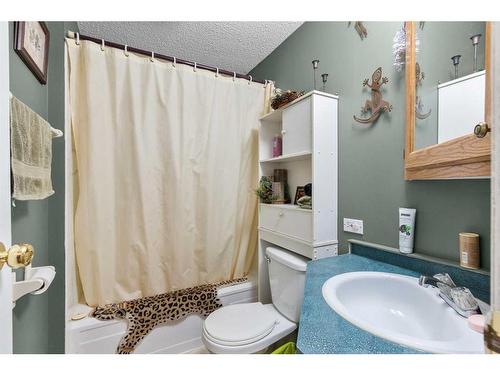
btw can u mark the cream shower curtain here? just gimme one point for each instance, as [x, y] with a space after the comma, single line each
[166, 162]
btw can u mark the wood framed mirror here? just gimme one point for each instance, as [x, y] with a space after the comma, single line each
[447, 100]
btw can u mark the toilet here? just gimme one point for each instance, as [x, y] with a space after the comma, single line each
[252, 327]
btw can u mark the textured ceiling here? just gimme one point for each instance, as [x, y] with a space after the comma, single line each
[235, 46]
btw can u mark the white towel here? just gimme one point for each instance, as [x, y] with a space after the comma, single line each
[31, 153]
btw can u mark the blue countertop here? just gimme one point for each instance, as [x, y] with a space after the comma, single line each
[323, 331]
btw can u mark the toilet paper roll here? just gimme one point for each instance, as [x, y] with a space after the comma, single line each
[46, 274]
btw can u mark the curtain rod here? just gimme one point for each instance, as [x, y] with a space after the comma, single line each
[78, 36]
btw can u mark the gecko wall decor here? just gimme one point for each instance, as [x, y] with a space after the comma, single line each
[376, 105]
[360, 28]
[419, 106]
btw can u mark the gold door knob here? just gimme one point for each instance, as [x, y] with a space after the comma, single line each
[17, 256]
[481, 129]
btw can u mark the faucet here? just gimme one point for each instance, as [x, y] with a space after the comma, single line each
[426, 281]
[459, 299]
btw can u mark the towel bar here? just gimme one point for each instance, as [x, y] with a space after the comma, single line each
[56, 133]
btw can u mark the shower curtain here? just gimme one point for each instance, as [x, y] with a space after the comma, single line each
[167, 160]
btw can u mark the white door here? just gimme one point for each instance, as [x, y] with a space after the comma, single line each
[297, 127]
[5, 231]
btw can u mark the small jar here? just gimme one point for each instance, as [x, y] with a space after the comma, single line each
[469, 250]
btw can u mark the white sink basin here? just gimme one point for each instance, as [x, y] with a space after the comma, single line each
[396, 308]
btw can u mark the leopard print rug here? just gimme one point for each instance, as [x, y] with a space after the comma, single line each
[144, 314]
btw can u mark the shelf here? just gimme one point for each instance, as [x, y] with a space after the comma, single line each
[304, 155]
[286, 206]
[276, 115]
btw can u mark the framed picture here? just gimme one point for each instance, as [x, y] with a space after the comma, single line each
[31, 42]
[299, 193]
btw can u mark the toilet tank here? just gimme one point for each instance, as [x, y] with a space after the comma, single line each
[287, 276]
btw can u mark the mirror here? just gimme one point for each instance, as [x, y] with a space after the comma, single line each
[447, 100]
[450, 80]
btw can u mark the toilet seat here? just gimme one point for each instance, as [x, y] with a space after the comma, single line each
[239, 324]
[281, 327]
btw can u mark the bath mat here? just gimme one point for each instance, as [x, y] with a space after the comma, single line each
[144, 314]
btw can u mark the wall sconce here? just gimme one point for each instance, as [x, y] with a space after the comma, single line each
[475, 41]
[324, 78]
[456, 60]
[315, 64]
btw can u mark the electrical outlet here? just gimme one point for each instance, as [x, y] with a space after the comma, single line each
[353, 226]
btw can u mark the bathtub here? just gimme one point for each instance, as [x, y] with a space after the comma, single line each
[91, 336]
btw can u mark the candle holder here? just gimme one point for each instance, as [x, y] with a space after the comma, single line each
[315, 64]
[475, 41]
[324, 78]
[456, 60]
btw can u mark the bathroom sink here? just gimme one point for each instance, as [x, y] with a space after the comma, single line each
[396, 308]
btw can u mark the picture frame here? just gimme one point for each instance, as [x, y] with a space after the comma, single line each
[299, 193]
[31, 43]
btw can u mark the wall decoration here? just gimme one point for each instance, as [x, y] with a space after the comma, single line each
[475, 41]
[304, 201]
[360, 28]
[281, 176]
[324, 78]
[281, 97]
[279, 192]
[31, 43]
[299, 193]
[456, 61]
[376, 105]
[308, 189]
[265, 190]
[399, 48]
[315, 64]
[418, 101]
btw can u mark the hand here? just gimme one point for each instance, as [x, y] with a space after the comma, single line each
[365, 82]
[385, 80]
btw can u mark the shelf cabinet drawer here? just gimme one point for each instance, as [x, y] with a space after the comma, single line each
[292, 222]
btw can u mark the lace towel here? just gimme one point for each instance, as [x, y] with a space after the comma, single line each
[31, 153]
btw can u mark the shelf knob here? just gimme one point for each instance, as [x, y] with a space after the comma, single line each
[481, 129]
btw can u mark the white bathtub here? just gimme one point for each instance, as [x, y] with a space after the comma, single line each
[91, 336]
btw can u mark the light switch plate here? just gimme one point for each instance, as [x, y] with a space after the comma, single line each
[353, 226]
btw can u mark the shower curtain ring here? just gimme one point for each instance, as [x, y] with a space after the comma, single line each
[217, 72]
[102, 45]
[77, 41]
[173, 63]
[194, 67]
[234, 76]
[152, 58]
[250, 80]
[125, 51]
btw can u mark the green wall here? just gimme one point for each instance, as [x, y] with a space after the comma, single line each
[371, 182]
[39, 320]
[438, 41]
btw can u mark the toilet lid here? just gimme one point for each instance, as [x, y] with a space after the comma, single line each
[240, 322]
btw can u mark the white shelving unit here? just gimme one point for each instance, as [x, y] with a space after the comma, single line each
[308, 127]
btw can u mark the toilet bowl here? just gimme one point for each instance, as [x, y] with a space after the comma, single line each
[244, 328]
[252, 327]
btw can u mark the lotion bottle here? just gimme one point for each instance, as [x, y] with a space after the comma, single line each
[406, 229]
[277, 146]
